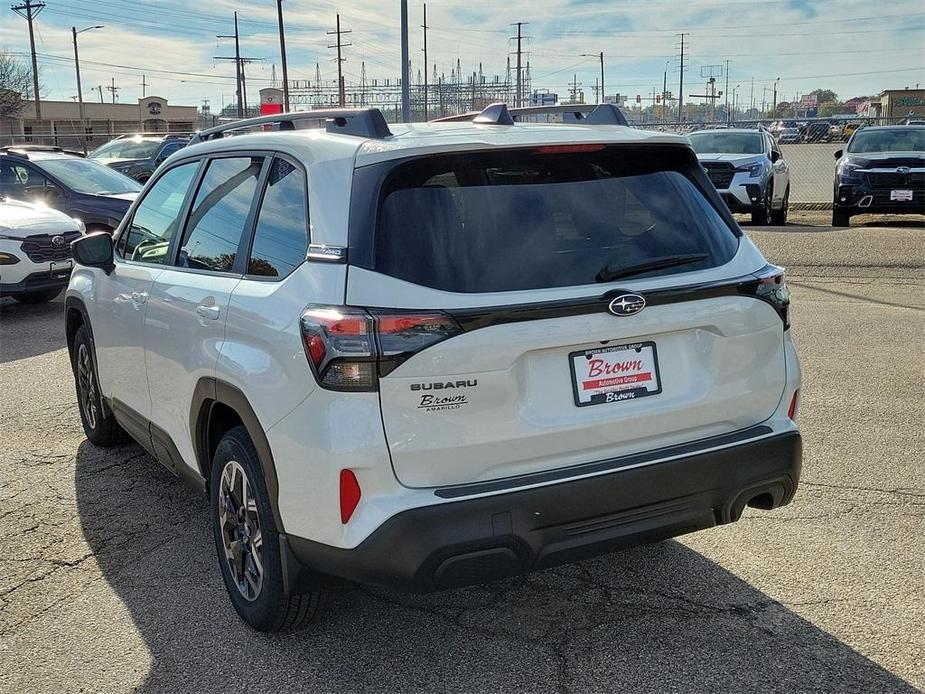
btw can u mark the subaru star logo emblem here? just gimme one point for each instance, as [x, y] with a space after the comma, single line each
[58, 241]
[627, 305]
[902, 170]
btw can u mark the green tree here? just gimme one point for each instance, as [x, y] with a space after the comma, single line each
[824, 95]
[830, 108]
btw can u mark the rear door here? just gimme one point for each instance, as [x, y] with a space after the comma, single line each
[526, 249]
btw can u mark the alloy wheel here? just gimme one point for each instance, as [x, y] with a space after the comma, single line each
[86, 386]
[239, 523]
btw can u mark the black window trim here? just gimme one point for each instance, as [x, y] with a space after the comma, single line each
[239, 266]
[253, 231]
[184, 210]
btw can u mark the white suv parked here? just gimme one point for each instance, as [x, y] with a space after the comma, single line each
[35, 251]
[425, 356]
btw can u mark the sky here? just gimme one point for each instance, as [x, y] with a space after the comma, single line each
[854, 47]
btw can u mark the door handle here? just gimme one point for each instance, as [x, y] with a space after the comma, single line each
[210, 312]
[139, 299]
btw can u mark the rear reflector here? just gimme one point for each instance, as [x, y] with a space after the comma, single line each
[349, 495]
[794, 403]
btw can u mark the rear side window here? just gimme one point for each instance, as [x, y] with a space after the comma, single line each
[157, 217]
[540, 218]
[219, 214]
[281, 234]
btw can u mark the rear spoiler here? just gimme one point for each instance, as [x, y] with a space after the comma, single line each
[584, 114]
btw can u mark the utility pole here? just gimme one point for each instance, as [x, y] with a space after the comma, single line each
[665, 91]
[751, 96]
[32, 9]
[113, 89]
[405, 66]
[282, 51]
[774, 102]
[239, 62]
[341, 94]
[681, 78]
[80, 94]
[424, 26]
[144, 86]
[519, 93]
[726, 93]
[100, 87]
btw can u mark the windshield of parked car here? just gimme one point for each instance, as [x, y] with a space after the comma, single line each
[545, 217]
[134, 148]
[888, 140]
[87, 176]
[726, 143]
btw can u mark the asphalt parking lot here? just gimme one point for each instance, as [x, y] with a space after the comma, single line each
[108, 579]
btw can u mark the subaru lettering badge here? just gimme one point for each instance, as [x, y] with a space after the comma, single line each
[627, 305]
[58, 241]
[903, 170]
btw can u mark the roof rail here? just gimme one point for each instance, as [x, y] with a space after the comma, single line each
[361, 122]
[587, 114]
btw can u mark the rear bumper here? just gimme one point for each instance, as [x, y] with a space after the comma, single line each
[486, 538]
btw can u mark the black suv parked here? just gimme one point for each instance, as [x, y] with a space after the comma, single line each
[881, 170]
[81, 188]
[137, 156]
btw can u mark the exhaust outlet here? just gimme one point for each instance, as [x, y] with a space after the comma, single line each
[866, 201]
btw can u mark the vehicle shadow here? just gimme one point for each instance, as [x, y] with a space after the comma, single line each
[25, 331]
[653, 619]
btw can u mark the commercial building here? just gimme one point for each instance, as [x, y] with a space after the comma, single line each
[60, 123]
[902, 103]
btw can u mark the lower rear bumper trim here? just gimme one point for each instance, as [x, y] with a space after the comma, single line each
[480, 539]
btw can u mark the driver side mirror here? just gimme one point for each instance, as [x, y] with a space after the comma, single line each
[838, 153]
[775, 156]
[94, 250]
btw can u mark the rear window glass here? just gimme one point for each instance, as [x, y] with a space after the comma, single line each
[531, 219]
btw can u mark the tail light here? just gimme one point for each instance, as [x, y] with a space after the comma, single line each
[773, 289]
[350, 348]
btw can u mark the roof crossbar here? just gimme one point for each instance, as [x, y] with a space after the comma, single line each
[360, 122]
[586, 114]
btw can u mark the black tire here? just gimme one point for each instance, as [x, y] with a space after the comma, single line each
[99, 425]
[779, 217]
[762, 215]
[840, 218]
[38, 297]
[255, 588]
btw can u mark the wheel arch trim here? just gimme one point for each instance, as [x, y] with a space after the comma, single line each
[212, 391]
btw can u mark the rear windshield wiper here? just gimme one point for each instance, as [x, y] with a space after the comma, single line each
[609, 273]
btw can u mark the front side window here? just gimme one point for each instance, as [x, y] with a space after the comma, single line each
[219, 214]
[544, 217]
[157, 217]
[281, 234]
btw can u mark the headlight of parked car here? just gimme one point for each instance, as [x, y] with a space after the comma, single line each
[754, 170]
[848, 168]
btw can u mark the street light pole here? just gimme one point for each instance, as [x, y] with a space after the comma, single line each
[80, 96]
[599, 56]
[774, 102]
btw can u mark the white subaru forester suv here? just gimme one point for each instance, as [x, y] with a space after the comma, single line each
[426, 356]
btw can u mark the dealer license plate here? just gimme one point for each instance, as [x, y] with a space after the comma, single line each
[901, 195]
[615, 373]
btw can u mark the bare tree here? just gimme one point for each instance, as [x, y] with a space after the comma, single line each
[15, 85]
